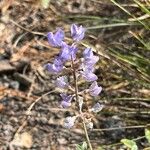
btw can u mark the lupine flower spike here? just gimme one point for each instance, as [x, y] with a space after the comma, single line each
[80, 67]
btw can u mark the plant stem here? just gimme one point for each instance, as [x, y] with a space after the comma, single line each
[86, 134]
[77, 100]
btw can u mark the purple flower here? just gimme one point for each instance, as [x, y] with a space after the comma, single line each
[56, 67]
[91, 61]
[97, 107]
[86, 68]
[88, 53]
[56, 39]
[61, 82]
[65, 104]
[64, 54]
[66, 100]
[69, 122]
[73, 51]
[89, 58]
[94, 89]
[88, 75]
[67, 52]
[77, 33]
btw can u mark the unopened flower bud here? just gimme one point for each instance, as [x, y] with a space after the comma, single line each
[66, 100]
[89, 125]
[61, 82]
[97, 108]
[69, 122]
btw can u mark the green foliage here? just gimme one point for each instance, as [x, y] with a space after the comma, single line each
[142, 64]
[126, 11]
[83, 146]
[100, 148]
[147, 134]
[130, 144]
[45, 3]
[143, 8]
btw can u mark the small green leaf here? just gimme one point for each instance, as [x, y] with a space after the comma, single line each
[130, 144]
[147, 134]
[82, 147]
[78, 147]
[100, 148]
[45, 3]
[134, 147]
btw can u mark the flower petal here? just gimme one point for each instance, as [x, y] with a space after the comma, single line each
[49, 67]
[94, 89]
[51, 39]
[69, 122]
[89, 76]
[66, 97]
[61, 82]
[97, 108]
[67, 52]
[56, 39]
[88, 53]
[74, 29]
[59, 36]
[77, 33]
[65, 104]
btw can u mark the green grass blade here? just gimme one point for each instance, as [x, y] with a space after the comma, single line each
[111, 25]
[126, 11]
[143, 8]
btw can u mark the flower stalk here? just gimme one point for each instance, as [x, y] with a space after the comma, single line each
[80, 109]
[82, 68]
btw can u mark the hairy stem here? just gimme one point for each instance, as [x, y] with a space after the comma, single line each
[77, 100]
